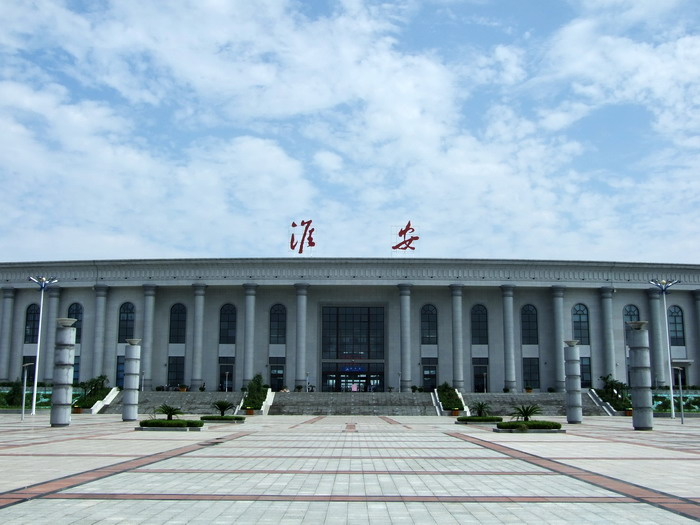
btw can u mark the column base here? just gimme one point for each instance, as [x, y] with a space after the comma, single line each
[406, 385]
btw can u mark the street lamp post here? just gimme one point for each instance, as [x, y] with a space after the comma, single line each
[664, 285]
[43, 283]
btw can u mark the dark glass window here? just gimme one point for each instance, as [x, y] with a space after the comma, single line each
[531, 372]
[31, 324]
[480, 325]
[120, 370]
[278, 325]
[176, 370]
[676, 329]
[178, 323]
[586, 381]
[528, 325]
[353, 332]
[227, 325]
[428, 325]
[75, 311]
[29, 359]
[630, 313]
[76, 370]
[579, 317]
[127, 313]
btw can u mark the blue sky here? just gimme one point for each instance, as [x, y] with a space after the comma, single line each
[501, 129]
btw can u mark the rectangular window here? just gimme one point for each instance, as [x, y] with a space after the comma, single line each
[176, 371]
[120, 371]
[353, 333]
[29, 359]
[76, 370]
[586, 372]
[531, 372]
[480, 367]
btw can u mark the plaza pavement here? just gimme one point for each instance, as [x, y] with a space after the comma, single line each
[347, 469]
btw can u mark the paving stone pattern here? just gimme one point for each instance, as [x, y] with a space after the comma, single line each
[347, 470]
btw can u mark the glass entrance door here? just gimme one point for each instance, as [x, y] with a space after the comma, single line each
[338, 377]
[480, 365]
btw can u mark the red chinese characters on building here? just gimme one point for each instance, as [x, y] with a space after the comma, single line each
[405, 244]
[307, 237]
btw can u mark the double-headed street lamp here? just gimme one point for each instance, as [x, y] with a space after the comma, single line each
[664, 285]
[43, 283]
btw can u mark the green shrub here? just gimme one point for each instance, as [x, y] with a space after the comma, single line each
[615, 392]
[13, 398]
[169, 411]
[163, 423]
[222, 418]
[481, 408]
[223, 406]
[539, 425]
[192, 422]
[256, 393]
[525, 412]
[480, 419]
[449, 398]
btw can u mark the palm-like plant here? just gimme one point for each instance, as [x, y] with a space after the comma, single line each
[223, 406]
[481, 408]
[525, 412]
[169, 411]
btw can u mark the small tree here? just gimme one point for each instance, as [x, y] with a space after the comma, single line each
[525, 412]
[223, 406]
[481, 409]
[169, 411]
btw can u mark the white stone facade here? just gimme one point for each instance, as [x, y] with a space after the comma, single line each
[393, 291]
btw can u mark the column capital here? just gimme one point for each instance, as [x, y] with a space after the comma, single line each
[301, 288]
[8, 292]
[100, 290]
[696, 294]
[405, 288]
[457, 289]
[558, 291]
[199, 288]
[149, 289]
[607, 292]
[507, 290]
[654, 293]
[250, 288]
[54, 291]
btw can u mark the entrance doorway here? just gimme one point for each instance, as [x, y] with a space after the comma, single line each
[480, 366]
[347, 377]
[277, 373]
[226, 371]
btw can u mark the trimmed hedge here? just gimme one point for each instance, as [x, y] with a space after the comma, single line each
[171, 423]
[480, 419]
[222, 418]
[534, 425]
[163, 423]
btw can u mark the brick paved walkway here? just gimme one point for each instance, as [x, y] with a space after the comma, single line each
[347, 469]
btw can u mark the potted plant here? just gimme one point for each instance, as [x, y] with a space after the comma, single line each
[182, 388]
[528, 389]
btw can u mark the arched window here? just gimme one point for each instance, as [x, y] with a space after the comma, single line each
[278, 325]
[227, 325]
[676, 330]
[630, 313]
[127, 312]
[579, 318]
[178, 323]
[428, 325]
[528, 325]
[31, 324]
[75, 311]
[480, 325]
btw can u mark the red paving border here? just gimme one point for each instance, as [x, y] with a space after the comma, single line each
[43, 490]
[683, 506]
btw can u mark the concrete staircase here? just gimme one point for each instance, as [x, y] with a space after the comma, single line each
[188, 402]
[353, 403]
[551, 404]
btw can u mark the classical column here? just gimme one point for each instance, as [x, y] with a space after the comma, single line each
[457, 338]
[302, 291]
[130, 399]
[640, 376]
[508, 337]
[574, 406]
[405, 299]
[50, 342]
[63, 360]
[198, 342]
[98, 349]
[149, 308]
[657, 336]
[558, 337]
[249, 335]
[606, 308]
[696, 296]
[8, 307]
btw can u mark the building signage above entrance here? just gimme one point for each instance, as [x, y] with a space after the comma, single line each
[306, 240]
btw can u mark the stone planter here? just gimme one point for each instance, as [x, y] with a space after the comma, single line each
[169, 429]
